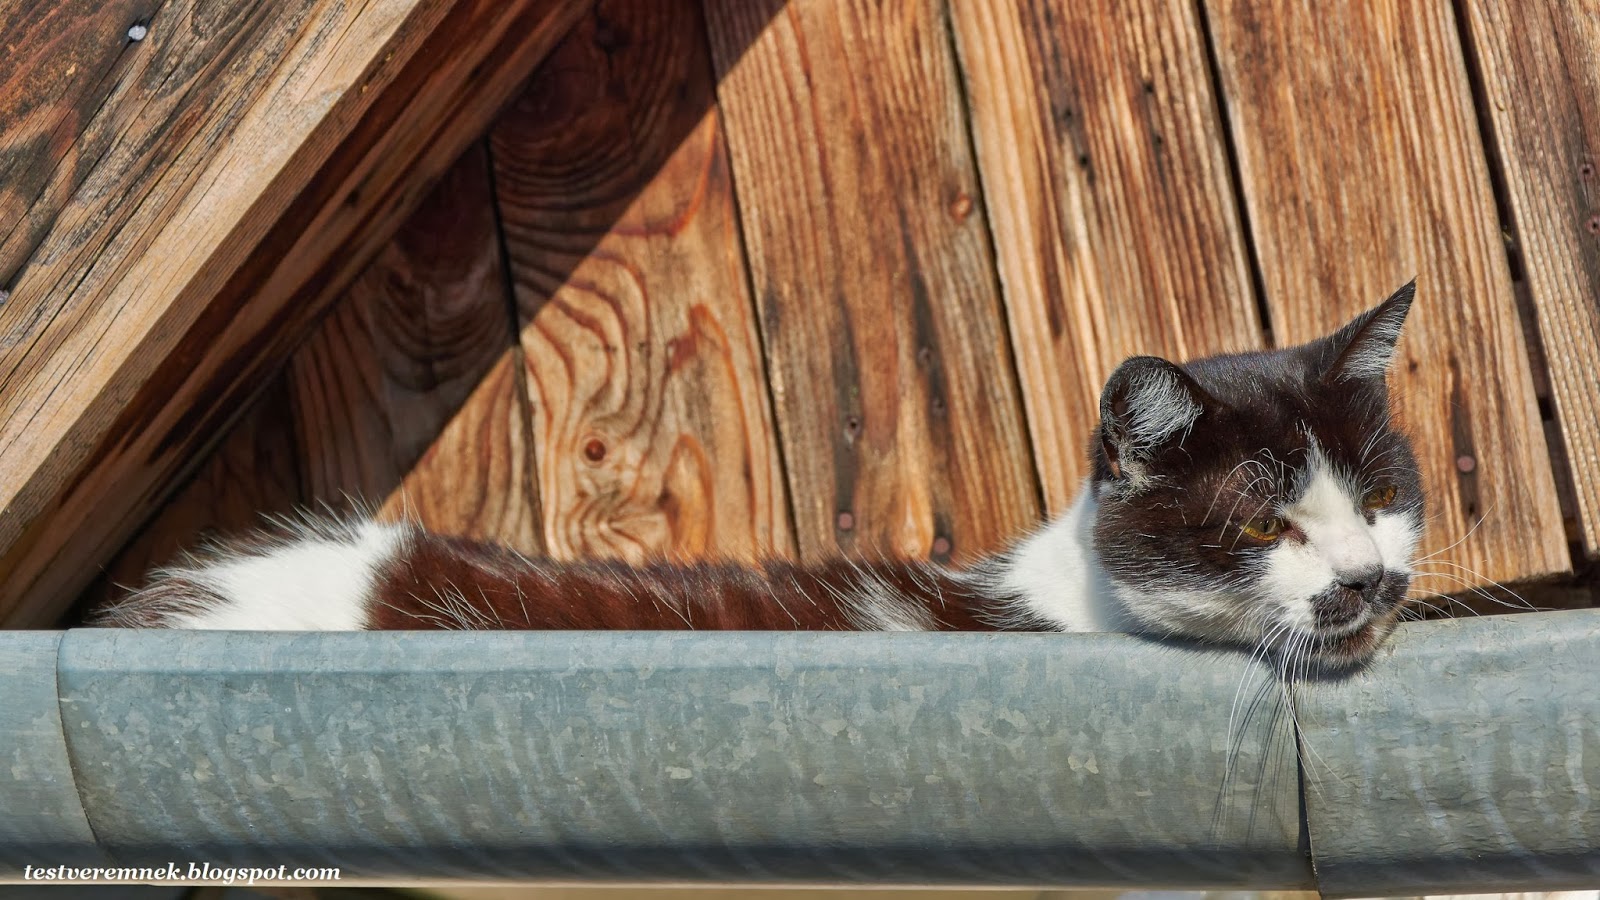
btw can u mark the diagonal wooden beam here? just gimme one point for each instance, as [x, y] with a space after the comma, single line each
[260, 152]
[61, 59]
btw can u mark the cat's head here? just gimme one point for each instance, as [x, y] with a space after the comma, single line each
[1262, 499]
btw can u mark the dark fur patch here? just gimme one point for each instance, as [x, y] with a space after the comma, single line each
[446, 582]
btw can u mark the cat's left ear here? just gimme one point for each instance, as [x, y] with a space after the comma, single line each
[1365, 347]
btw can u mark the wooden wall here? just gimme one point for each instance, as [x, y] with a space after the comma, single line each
[734, 277]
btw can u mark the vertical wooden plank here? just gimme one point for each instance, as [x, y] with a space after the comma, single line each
[1361, 166]
[421, 345]
[894, 385]
[653, 430]
[1542, 86]
[476, 479]
[1108, 190]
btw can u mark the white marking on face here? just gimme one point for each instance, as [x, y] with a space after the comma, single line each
[1340, 545]
[1206, 614]
[1397, 535]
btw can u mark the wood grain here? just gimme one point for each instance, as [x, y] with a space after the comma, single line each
[1361, 166]
[405, 399]
[58, 59]
[252, 473]
[1110, 198]
[1542, 92]
[399, 362]
[653, 432]
[477, 478]
[893, 382]
[263, 152]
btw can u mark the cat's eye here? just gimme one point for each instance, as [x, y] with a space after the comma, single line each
[1264, 528]
[1378, 497]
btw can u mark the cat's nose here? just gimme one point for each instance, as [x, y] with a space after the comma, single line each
[1363, 581]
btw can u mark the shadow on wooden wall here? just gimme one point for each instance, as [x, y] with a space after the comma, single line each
[580, 266]
[733, 278]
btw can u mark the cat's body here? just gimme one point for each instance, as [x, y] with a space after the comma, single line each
[1256, 499]
[323, 575]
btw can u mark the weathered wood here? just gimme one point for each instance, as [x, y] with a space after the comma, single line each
[1542, 92]
[894, 385]
[251, 474]
[1361, 166]
[649, 404]
[59, 59]
[1108, 191]
[400, 360]
[404, 399]
[477, 478]
[261, 156]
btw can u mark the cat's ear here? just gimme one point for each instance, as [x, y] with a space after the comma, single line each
[1364, 348]
[1147, 403]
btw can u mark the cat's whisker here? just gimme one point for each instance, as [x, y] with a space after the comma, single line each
[1223, 484]
[1481, 519]
[1419, 601]
[1476, 588]
[1253, 514]
[1480, 587]
[1453, 601]
[1262, 648]
[1289, 672]
[1240, 495]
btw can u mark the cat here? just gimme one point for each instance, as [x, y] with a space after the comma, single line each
[1262, 500]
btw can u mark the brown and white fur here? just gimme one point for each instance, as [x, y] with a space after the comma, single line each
[1259, 500]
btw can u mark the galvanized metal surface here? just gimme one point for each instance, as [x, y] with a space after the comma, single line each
[1466, 759]
[887, 758]
[40, 816]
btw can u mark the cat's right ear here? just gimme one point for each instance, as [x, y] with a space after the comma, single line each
[1147, 404]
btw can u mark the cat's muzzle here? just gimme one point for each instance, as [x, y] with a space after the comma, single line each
[1352, 621]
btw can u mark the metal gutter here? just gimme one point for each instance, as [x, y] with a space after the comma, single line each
[1066, 760]
[1466, 760]
[41, 817]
